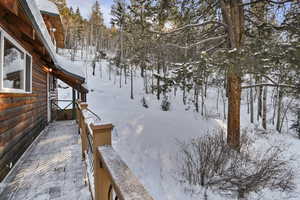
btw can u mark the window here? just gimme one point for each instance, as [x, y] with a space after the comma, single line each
[15, 66]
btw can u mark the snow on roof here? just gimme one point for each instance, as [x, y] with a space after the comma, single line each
[47, 6]
[70, 66]
[33, 12]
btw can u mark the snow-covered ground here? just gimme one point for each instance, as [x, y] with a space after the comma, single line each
[146, 138]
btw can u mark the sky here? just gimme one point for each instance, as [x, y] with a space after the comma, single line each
[86, 5]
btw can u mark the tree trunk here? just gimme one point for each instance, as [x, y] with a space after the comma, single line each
[218, 97]
[205, 84]
[121, 56]
[142, 71]
[264, 107]
[224, 103]
[234, 100]
[131, 82]
[158, 79]
[120, 70]
[152, 81]
[202, 100]
[125, 73]
[146, 82]
[248, 103]
[196, 98]
[279, 106]
[251, 106]
[233, 15]
[184, 93]
[109, 72]
[259, 102]
[100, 67]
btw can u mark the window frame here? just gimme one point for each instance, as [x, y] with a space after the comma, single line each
[5, 35]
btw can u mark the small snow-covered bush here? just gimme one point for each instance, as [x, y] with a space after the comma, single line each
[144, 102]
[296, 123]
[204, 158]
[209, 162]
[165, 104]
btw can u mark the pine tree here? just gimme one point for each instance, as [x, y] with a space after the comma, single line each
[96, 18]
[96, 25]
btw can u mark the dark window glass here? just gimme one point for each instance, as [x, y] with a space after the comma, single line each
[28, 73]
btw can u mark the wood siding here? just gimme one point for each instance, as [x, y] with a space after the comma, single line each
[22, 116]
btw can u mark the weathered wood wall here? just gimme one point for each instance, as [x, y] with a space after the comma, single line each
[22, 116]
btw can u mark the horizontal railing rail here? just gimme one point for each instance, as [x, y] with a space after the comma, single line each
[108, 176]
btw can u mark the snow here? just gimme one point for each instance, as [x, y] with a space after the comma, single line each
[146, 139]
[70, 66]
[47, 6]
[2, 186]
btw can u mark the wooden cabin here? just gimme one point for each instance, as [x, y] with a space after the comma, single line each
[29, 68]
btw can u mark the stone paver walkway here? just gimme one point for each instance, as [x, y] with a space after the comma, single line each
[50, 169]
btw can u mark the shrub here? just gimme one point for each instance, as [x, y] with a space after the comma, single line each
[296, 123]
[144, 103]
[165, 104]
[209, 162]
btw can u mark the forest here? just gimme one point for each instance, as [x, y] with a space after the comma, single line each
[241, 56]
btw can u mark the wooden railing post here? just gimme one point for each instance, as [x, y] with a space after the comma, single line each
[101, 137]
[83, 127]
[77, 112]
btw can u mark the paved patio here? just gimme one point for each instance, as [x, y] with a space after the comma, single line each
[50, 169]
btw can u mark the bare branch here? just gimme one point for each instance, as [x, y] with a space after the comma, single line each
[215, 47]
[269, 1]
[198, 43]
[190, 26]
[265, 76]
[272, 85]
[260, 22]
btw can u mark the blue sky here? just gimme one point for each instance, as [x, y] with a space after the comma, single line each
[85, 7]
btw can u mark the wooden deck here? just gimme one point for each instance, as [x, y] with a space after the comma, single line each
[52, 168]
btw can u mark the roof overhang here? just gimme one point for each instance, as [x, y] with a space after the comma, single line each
[55, 20]
[34, 15]
[66, 77]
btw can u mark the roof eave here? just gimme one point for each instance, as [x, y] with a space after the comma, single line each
[30, 15]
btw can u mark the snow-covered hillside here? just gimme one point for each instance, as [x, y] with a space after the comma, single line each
[147, 138]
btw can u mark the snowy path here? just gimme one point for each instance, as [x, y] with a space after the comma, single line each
[50, 169]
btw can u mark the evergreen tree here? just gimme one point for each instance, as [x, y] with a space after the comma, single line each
[96, 25]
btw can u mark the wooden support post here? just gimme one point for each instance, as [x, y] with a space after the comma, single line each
[73, 104]
[101, 137]
[83, 97]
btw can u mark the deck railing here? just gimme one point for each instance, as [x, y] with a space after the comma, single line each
[108, 176]
[63, 110]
